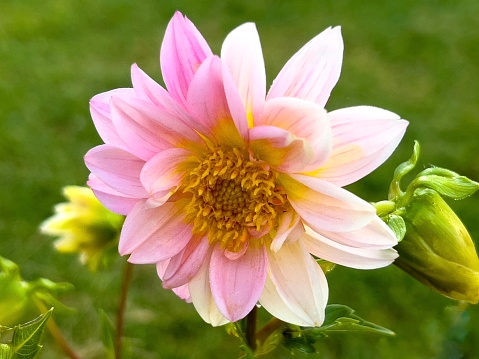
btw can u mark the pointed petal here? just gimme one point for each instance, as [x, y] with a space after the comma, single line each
[364, 137]
[296, 290]
[305, 141]
[219, 111]
[243, 56]
[182, 52]
[113, 200]
[313, 71]
[324, 206]
[376, 234]
[165, 170]
[186, 264]
[146, 129]
[152, 235]
[288, 224]
[100, 113]
[360, 258]
[237, 284]
[202, 297]
[117, 168]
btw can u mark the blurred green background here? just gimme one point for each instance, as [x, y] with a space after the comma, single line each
[419, 59]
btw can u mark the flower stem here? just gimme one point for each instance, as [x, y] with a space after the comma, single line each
[120, 317]
[250, 331]
[57, 333]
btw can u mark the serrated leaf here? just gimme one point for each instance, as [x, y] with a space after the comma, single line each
[26, 338]
[341, 318]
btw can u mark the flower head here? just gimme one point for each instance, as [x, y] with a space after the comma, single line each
[230, 189]
[84, 226]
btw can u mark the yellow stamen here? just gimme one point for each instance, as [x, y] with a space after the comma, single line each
[232, 194]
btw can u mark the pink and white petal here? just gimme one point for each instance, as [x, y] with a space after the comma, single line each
[202, 297]
[100, 113]
[313, 71]
[117, 168]
[237, 284]
[289, 227]
[364, 137]
[304, 119]
[153, 235]
[243, 56]
[360, 258]
[183, 292]
[211, 106]
[146, 129]
[280, 148]
[186, 264]
[147, 88]
[182, 52]
[376, 234]
[165, 170]
[113, 200]
[324, 206]
[297, 290]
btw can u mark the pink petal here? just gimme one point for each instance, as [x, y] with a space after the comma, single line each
[304, 121]
[324, 206]
[145, 129]
[296, 290]
[113, 200]
[280, 148]
[376, 234]
[288, 226]
[220, 113]
[165, 170]
[364, 137]
[182, 291]
[117, 168]
[243, 56]
[152, 235]
[360, 258]
[237, 284]
[313, 71]
[182, 52]
[100, 113]
[186, 264]
[202, 297]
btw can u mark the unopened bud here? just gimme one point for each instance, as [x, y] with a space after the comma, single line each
[437, 249]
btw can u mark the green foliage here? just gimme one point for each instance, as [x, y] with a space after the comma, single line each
[25, 342]
[339, 319]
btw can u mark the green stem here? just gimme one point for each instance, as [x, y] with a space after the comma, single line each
[250, 331]
[57, 333]
[269, 328]
[120, 317]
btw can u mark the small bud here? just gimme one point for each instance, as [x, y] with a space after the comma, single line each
[84, 226]
[437, 249]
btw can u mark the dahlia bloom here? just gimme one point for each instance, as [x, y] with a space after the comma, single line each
[230, 190]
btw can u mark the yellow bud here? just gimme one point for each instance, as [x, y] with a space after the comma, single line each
[83, 226]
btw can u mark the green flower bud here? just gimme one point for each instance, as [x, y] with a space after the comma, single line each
[84, 226]
[437, 249]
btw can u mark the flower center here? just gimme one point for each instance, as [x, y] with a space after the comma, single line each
[234, 198]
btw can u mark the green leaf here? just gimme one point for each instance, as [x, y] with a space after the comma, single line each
[340, 318]
[25, 343]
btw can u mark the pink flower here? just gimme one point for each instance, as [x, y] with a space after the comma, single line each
[229, 190]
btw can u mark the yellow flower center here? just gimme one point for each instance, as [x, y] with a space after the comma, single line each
[234, 198]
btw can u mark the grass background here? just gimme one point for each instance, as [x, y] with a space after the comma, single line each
[416, 58]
